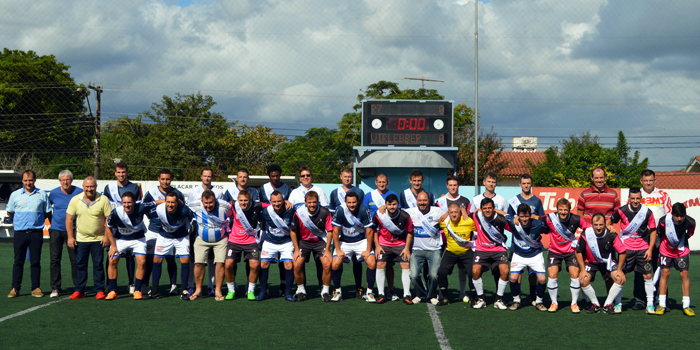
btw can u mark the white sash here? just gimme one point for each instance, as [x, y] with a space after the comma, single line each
[156, 193]
[247, 227]
[376, 198]
[592, 240]
[234, 191]
[213, 221]
[523, 240]
[114, 191]
[130, 228]
[279, 222]
[563, 231]
[410, 198]
[388, 224]
[268, 190]
[356, 223]
[426, 225]
[635, 224]
[490, 230]
[672, 236]
[460, 241]
[163, 216]
[514, 202]
[442, 202]
[305, 217]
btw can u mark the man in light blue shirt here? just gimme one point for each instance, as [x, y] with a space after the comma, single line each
[60, 197]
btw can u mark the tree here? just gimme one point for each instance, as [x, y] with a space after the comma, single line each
[570, 164]
[325, 150]
[490, 148]
[250, 147]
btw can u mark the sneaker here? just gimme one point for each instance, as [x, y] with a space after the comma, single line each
[499, 304]
[553, 308]
[650, 309]
[289, 297]
[618, 308]
[688, 312]
[211, 292]
[337, 296]
[251, 296]
[370, 298]
[132, 289]
[639, 306]
[442, 302]
[185, 296]
[407, 300]
[37, 293]
[300, 297]
[138, 295]
[394, 297]
[534, 303]
[609, 309]
[77, 295]
[416, 300]
[112, 295]
[54, 293]
[262, 296]
[230, 295]
[660, 310]
[434, 301]
[594, 309]
[359, 294]
[584, 304]
[540, 307]
[514, 306]
[152, 294]
[466, 299]
[326, 297]
[190, 291]
[13, 293]
[173, 290]
[575, 309]
[381, 299]
[479, 304]
[100, 295]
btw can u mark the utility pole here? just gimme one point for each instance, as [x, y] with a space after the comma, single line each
[98, 97]
[423, 80]
[476, 97]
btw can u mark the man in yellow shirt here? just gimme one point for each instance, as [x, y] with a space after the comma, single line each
[91, 209]
[458, 227]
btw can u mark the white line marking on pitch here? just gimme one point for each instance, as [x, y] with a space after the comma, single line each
[33, 309]
[437, 326]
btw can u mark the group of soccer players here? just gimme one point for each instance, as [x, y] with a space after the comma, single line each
[425, 236]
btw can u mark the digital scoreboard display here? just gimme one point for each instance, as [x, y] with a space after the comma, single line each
[407, 123]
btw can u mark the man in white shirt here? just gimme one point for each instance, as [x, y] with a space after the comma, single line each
[298, 194]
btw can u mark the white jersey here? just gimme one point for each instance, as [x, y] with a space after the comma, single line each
[298, 194]
[196, 194]
[422, 240]
[658, 201]
[500, 202]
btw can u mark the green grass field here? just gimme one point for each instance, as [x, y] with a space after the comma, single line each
[352, 323]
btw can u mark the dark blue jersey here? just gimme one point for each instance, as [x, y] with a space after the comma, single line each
[121, 231]
[155, 194]
[520, 246]
[181, 219]
[270, 232]
[334, 201]
[130, 187]
[231, 194]
[534, 202]
[350, 232]
[405, 204]
[267, 189]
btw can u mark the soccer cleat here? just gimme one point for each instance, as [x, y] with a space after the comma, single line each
[359, 294]
[660, 310]
[173, 290]
[132, 289]
[100, 295]
[650, 309]
[230, 295]
[283, 289]
[370, 298]
[618, 308]
[466, 299]
[111, 295]
[77, 295]
[138, 295]
[289, 297]
[300, 297]
[575, 309]
[54, 293]
[479, 304]
[553, 308]
[639, 306]
[584, 304]
[416, 300]
[262, 296]
[540, 307]
[689, 312]
[13, 293]
[514, 306]
[394, 297]
[337, 296]
[212, 292]
[499, 304]
[152, 294]
[442, 302]
[185, 296]
[37, 293]
[326, 297]
[609, 309]
[190, 291]
[407, 300]
[434, 301]
[381, 299]
[251, 296]
[534, 303]
[594, 309]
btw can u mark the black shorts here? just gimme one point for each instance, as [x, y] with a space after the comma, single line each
[491, 259]
[307, 247]
[392, 254]
[635, 262]
[602, 268]
[681, 264]
[235, 251]
[554, 259]
[450, 259]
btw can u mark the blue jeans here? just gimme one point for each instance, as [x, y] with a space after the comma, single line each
[82, 254]
[418, 258]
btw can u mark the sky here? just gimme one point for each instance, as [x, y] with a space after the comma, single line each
[548, 69]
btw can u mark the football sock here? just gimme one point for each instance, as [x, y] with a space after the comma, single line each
[649, 289]
[357, 272]
[149, 268]
[212, 273]
[462, 282]
[515, 290]
[172, 272]
[157, 269]
[575, 287]
[336, 275]
[371, 276]
[381, 278]
[251, 287]
[502, 287]
[686, 302]
[406, 281]
[184, 275]
[540, 290]
[325, 289]
[137, 284]
[289, 280]
[130, 265]
[479, 286]
[618, 298]
[281, 268]
[588, 291]
[533, 290]
[264, 274]
[113, 284]
[553, 287]
[613, 293]
[231, 287]
[662, 300]
[190, 283]
[301, 289]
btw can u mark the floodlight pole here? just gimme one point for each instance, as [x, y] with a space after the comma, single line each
[476, 97]
[98, 97]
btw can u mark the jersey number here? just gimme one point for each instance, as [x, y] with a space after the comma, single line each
[663, 261]
[588, 268]
[476, 259]
[551, 261]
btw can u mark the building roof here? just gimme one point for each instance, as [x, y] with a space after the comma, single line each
[677, 180]
[694, 165]
[516, 162]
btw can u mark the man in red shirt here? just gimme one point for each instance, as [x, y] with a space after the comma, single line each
[599, 198]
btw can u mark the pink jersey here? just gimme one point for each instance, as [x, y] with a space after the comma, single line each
[559, 244]
[238, 235]
[402, 221]
[606, 244]
[624, 215]
[685, 230]
[483, 241]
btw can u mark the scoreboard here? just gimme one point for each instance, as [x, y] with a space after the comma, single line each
[407, 123]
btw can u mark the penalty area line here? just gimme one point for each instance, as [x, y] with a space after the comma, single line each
[437, 326]
[32, 309]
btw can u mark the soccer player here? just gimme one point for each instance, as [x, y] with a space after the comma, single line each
[637, 225]
[212, 217]
[674, 230]
[274, 172]
[114, 191]
[500, 203]
[458, 228]
[337, 197]
[594, 253]
[564, 230]
[243, 242]
[409, 196]
[526, 250]
[196, 194]
[352, 236]
[297, 197]
[60, 197]
[309, 233]
[376, 198]
[275, 221]
[427, 244]
[490, 251]
[173, 221]
[156, 195]
[242, 177]
[393, 243]
[126, 233]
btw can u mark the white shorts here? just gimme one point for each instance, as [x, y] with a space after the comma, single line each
[535, 263]
[270, 251]
[151, 238]
[353, 248]
[172, 247]
[131, 247]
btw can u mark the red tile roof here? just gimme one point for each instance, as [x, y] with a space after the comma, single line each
[516, 162]
[677, 180]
